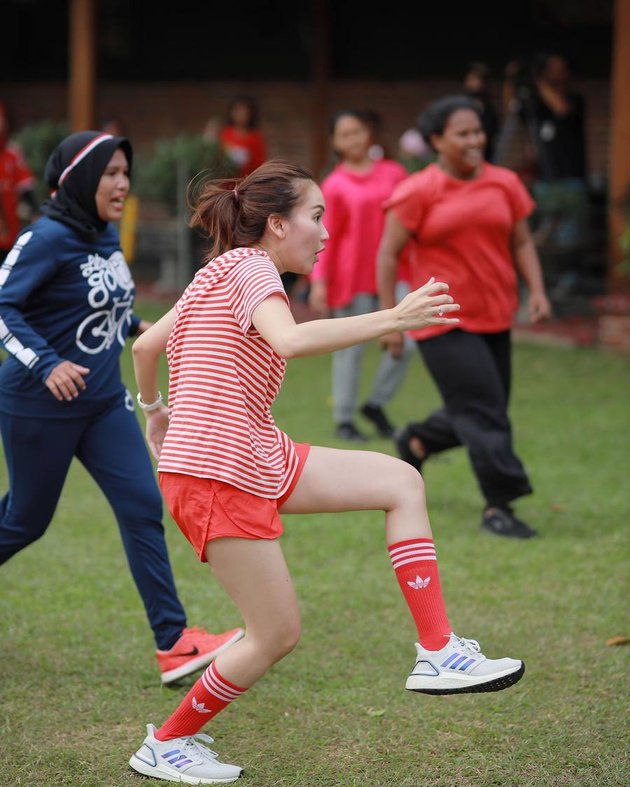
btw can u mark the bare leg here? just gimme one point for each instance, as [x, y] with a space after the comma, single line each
[255, 574]
[337, 479]
[256, 577]
[341, 480]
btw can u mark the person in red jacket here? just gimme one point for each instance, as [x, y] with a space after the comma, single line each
[464, 221]
[17, 184]
[240, 136]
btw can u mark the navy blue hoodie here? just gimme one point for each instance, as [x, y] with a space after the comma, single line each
[66, 292]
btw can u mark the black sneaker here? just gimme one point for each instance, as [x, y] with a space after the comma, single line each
[502, 522]
[348, 431]
[376, 415]
[402, 439]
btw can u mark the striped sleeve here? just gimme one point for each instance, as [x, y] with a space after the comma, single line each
[255, 279]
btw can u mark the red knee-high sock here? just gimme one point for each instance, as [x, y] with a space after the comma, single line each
[209, 695]
[416, 568]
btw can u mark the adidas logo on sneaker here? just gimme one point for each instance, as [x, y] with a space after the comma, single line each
[460, 667]
[182, 760]
[177, 759]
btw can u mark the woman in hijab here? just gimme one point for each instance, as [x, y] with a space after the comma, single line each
[66, 308]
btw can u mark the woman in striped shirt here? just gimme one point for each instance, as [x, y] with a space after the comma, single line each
[227, 472]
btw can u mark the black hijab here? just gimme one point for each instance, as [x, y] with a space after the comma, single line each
[73, 172]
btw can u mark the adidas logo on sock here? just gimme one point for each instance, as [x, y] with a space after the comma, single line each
[199, 706]
[419, 583]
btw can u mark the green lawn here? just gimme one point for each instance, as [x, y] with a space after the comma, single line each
[79, 678]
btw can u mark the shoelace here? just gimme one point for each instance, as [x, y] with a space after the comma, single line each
[191, 745]
[471, 645]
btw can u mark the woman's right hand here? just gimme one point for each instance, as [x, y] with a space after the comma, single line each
[65, 382]
[428, 305]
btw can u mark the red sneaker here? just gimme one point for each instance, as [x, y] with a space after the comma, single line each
[193, 651]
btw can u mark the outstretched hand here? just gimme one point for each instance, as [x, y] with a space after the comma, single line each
[65, 382]
[428, 305]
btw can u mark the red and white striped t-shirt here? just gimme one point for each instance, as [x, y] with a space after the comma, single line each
[223, 379]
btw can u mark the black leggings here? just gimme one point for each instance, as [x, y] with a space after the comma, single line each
[473, 374]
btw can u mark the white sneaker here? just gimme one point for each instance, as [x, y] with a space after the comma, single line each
[461, 667]
[182, 760]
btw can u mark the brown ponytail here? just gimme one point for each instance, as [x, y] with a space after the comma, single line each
[234, 213]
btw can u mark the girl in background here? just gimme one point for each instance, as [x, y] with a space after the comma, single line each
[344, 280]
[241, 137]
[17, 187]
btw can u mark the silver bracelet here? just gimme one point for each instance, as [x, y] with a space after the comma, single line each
[152, 405]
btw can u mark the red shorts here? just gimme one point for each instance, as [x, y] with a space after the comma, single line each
[205, 509]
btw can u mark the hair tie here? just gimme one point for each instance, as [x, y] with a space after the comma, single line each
[235, 192]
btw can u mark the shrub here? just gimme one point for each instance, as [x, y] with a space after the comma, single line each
[164, 176]
[37, 141]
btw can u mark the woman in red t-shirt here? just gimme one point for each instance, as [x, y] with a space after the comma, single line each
[464, 221]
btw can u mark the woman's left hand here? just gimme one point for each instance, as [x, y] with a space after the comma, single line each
[538, 307]
[157, 424]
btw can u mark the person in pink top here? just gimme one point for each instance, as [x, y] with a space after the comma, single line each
[464, 221]
[228, 473]
[343, 282]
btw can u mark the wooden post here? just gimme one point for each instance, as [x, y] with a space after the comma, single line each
[82, 65]
[320, 53]
[619, 174]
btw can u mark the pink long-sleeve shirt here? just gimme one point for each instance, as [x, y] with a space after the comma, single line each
[354, 218]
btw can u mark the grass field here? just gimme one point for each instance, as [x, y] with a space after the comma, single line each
[79, 678]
